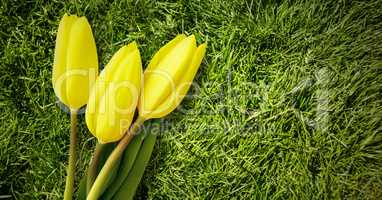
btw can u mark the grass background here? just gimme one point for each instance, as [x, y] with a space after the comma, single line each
[288, 103]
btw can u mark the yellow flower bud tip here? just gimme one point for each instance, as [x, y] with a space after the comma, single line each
[169, 76]
[133, 45]
[186, 42]
[114, 98]
[75, 65]
[82, 22]
[192, 37]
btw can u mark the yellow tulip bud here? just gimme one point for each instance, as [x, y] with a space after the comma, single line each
[114, 98]
[169, 76]
[75, 66]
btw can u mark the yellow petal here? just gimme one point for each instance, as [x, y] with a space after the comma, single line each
[107, 126]
[115, 103]
[161, 81]
[176, 62]
[98, 91]
[59, 63]
[163, 51]
[182, 88]
[82, 63]
[90, 113]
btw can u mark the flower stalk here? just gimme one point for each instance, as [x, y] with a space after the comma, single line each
[93, 166]
[68, 195]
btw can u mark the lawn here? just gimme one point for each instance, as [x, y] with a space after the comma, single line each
[287, 103]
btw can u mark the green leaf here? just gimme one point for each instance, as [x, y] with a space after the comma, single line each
[81, 192]
[93, 168]
[127, 162]
[104, 156]
[130, 184]
[106, 150]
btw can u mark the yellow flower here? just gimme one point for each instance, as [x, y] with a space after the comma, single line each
[114, 98]
[75, 66]
[169, 76]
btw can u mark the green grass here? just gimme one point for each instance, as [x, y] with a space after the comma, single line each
[287, 103]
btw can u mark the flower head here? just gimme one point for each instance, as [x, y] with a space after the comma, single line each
[114, 98]
[169, 76]
[75, 66]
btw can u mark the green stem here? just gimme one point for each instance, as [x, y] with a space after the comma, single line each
[68, 195]
[101, 179]
[93, 166]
